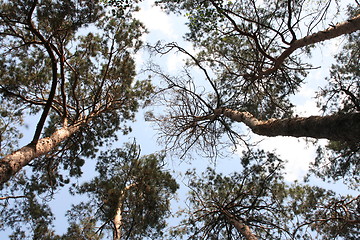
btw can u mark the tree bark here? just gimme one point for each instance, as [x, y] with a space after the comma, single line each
[337, 127]
[241, 227]
[14, 162]
[117, 221]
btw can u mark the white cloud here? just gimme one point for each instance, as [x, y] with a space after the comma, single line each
[139, 59]
[307, 109]
[298, 153]
[305, 102]
[305, 99]
[333, 46]
[157, 20]
[174, 61]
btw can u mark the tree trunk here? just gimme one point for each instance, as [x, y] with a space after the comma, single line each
[242, 228]
[117, 221]
[337, 127]
[14, 162]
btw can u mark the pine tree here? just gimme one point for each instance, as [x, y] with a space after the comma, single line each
[256, 203]
[72, 65]
[129, 198]
[250, 58]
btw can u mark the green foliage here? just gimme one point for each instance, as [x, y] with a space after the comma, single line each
[29, 217]
[81, 224]
[140, 186]
[259, 198]
[81, 232]
[238, 43]
[10, 119]
[136, 187]
[94, 85]
[122, 8]
[340, 160]
[73, 64]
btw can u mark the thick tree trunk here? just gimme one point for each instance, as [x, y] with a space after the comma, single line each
[242, 228]
[14, 162]
[338, 127]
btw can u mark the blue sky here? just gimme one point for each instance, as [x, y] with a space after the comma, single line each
[297, 151]
[170, 28]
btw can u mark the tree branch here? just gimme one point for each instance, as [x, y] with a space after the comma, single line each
[48, 48]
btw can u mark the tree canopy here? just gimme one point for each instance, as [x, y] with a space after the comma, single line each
[69, 67]
[131, 195]
[73, 76]
[257, 203]
[251, 63]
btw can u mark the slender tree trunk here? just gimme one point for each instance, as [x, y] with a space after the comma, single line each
[346, 27]
[117, 221]
[241, 227]
[338, 127]
[14, 162]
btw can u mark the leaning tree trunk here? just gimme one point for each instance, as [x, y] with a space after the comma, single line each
[337, 127]
[14, 162]
[241, 227]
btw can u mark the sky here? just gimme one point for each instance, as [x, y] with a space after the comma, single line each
[169, 28]
[297, 151]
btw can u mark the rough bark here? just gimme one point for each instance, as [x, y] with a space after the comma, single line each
[14, 162]
[337, 127]
[241, 227]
